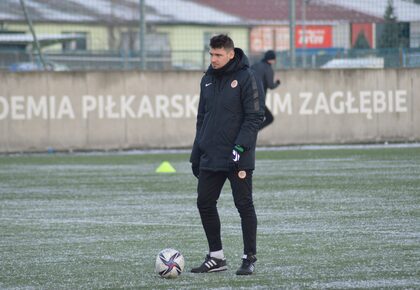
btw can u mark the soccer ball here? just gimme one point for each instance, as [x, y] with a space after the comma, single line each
[169, 263]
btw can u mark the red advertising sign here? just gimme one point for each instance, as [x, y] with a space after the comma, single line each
[357, 29]
[316, 36]
[263, 38]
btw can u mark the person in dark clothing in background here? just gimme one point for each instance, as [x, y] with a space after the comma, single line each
[230, 112]
[265, 73]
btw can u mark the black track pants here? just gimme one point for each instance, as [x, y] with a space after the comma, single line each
[209, 187]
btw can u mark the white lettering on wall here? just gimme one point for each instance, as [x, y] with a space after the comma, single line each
[379, 101]
[28, 108]
[4, 108]
[304, 110]
[191, 105]
[18, 108]
[110, 110]
[162, 106]
[365, 102]
[89, 104]
[280, 105]
[337, 103]
[401, 101]
[65, 109]
[321, 105]
[145, 108]
[36, 109]
[176, 103]
[126, 109]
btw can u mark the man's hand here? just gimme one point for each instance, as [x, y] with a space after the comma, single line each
[236, 155]
[195, 170]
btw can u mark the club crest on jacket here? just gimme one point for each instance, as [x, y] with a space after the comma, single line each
[234, 84]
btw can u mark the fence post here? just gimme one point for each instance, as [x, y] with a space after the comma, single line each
[31, 28]
[142, 30]
[292, 28]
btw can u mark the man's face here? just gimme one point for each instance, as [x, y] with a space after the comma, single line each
[219, 57]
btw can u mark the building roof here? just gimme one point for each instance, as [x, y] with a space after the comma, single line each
[277, 11]
[43, 39]
[212, 12]
[404, 11]
[115, 11]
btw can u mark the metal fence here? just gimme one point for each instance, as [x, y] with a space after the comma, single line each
[174, 34]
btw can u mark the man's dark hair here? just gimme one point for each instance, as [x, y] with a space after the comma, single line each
[222, 41]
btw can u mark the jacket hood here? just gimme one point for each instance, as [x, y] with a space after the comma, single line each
[269, 55]
[237, 63]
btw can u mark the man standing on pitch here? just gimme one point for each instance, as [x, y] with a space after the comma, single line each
[230, 112]
[265, 73]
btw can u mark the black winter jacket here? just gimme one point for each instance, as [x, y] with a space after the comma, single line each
[264, 72]
[230, 111]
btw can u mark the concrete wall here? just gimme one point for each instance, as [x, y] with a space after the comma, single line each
[122, 110]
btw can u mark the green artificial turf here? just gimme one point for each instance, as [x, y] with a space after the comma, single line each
[330, 218]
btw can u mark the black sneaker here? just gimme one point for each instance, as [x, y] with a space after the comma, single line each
[211, 264]
[247, 267]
